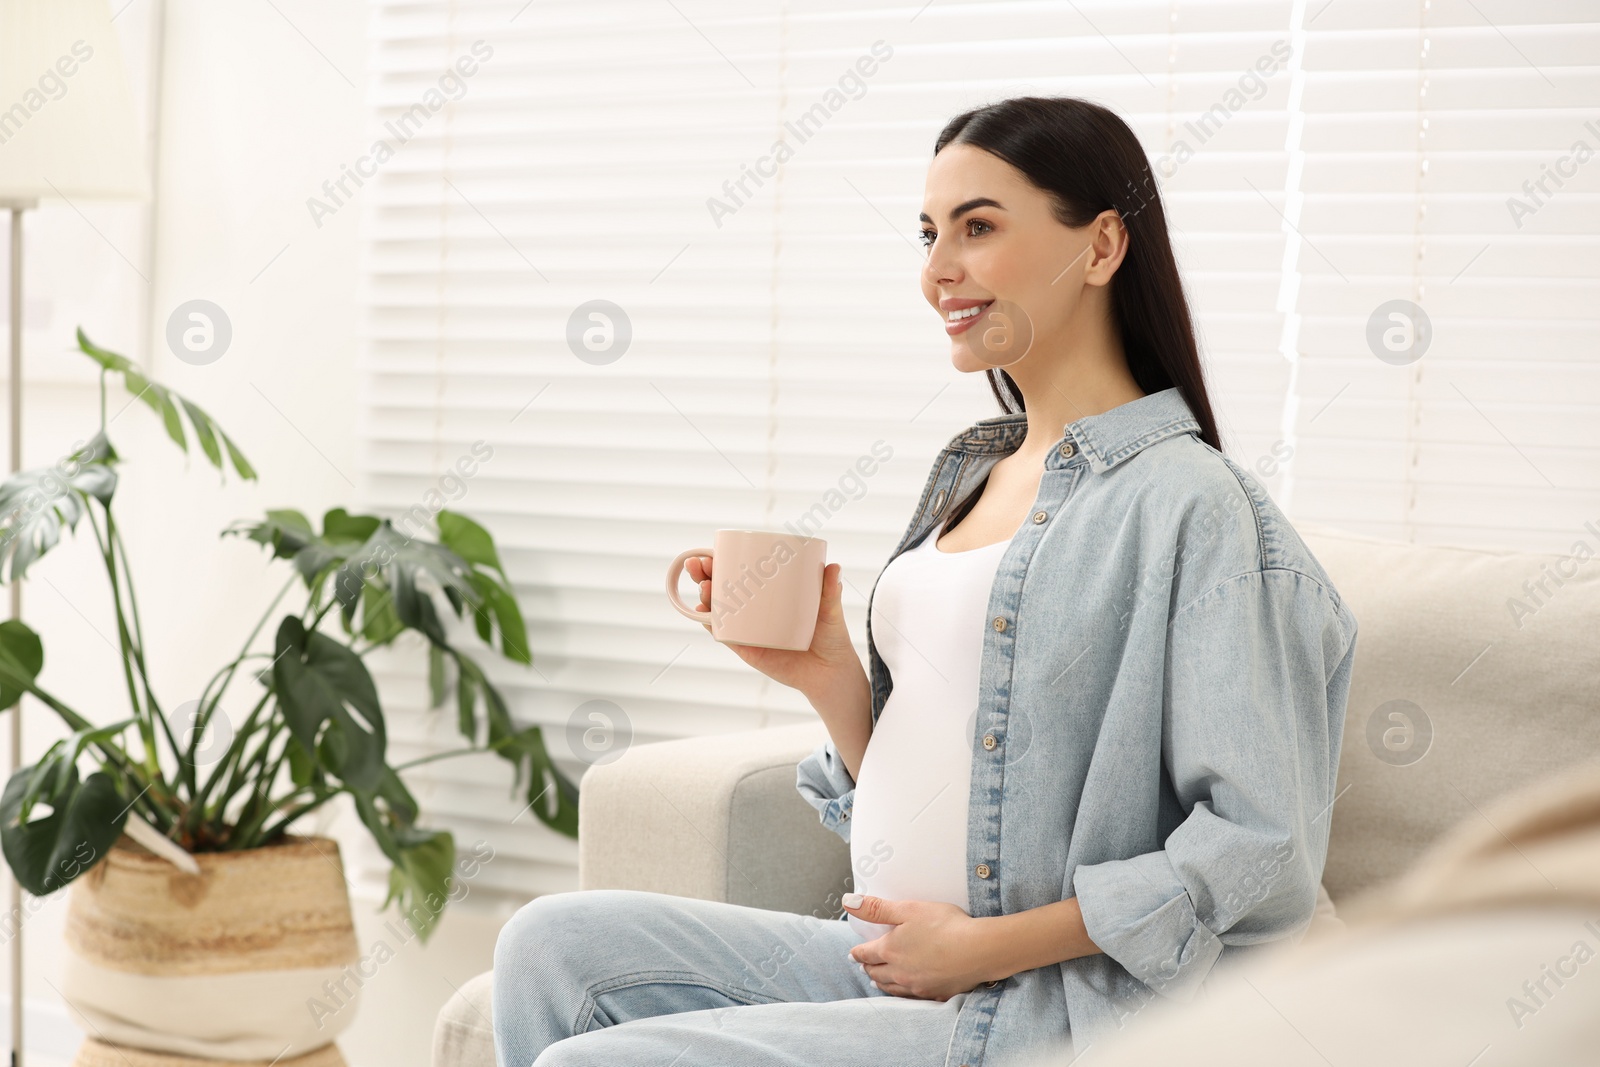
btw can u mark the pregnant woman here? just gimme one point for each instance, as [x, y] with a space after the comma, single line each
[1093, 750]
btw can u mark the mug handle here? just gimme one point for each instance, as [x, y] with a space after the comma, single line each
[673, 571]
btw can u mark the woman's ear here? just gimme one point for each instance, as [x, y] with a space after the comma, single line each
[1108, 244]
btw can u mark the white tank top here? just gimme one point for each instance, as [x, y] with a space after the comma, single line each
[908, 825]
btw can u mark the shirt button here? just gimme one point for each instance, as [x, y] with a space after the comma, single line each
[988, 741]
[991, 985]
[1067, 449]
[1000, 623]
[846, 815]
[983, 870]
[1039, 516]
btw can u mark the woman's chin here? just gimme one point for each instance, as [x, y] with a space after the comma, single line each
[962, 359]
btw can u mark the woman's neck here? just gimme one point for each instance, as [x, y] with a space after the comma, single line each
[1070, 387]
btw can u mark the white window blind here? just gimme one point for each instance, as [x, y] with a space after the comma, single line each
[771, 352]
[1429, 129]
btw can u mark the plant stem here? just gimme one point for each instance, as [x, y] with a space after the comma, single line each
[239, 776]
[115, 539]
[252, 778]
[68, 716]
[398, 767]
[113, 754]
[260, 799]
[282, 824]
[207, 710]
[196, 814]
[146, 729]
[314, 623]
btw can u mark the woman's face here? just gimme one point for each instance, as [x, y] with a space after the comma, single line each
[991, 239]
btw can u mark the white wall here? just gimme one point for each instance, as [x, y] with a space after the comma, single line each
[256, 114]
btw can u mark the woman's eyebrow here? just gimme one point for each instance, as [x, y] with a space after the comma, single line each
[962, 209]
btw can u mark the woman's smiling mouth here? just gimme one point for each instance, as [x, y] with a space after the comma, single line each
[961, 314]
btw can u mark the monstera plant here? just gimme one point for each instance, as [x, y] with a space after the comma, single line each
[315, 729]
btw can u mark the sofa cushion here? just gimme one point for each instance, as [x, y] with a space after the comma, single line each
[1476, 671]
[463, 1033]
[715, 817]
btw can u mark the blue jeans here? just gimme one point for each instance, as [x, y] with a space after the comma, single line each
[623, 978]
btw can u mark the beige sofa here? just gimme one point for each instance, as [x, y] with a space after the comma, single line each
[1461, 658]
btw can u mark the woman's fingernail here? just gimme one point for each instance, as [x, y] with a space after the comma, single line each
[852, 900]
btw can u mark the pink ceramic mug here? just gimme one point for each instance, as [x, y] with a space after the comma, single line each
[766, 588]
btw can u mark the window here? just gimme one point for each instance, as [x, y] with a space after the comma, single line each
[775, 333]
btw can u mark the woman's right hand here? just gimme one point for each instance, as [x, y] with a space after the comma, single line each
[829, 665]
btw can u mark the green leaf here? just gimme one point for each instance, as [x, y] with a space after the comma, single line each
[57, 768]
[315, 562]
[21, 660]
[35, 504]
[340, 525]
[499, 714]
[421, 878]
[379, 623]
[142, 388]
[107, 359]
[332, 749]
[382, 576]
[553, 795]
[203, 433]
[507, 615]
[171, 407]
[289, 521]
[347, 588]
[301, 765]
[209, 432]
[468, 540]
[240, 464]
[95, 735]
[343, 536]
[483, 617]
[414, 608]
[169, 415]
[318, 680]
[395, 794]
[436, 679]
[85, 820]
[466, 703]
[396, 552]
[100, 450]
[357, 564]
[423, 859]
[285, 531]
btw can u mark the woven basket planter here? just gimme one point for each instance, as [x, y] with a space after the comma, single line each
[252, 960]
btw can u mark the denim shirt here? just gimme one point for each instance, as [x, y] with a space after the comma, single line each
[1160, 709]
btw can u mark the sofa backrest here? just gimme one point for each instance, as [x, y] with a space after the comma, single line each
[1476, 671]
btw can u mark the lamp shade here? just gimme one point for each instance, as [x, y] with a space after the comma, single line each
[67, 126]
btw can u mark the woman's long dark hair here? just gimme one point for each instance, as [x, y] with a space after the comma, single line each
[1089, 161]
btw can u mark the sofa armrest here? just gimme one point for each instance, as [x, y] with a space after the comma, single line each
[717, 818]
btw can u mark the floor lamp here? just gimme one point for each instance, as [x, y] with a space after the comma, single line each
[67, 133]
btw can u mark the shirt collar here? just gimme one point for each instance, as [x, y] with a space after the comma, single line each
[1105, 439]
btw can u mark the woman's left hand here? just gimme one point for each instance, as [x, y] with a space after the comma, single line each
[933, 953]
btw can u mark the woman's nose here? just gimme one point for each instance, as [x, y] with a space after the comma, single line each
[942, 268]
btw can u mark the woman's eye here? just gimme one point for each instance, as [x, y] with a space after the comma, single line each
[927, 237]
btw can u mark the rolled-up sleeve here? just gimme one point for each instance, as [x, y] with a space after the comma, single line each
[1257, 680]
[827, 786]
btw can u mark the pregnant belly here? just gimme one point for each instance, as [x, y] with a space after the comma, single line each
[908, 832]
